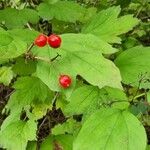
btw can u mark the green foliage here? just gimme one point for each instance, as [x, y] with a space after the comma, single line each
[87, 99]
[60, 141]
[109, 83]
[19, 132]
[61, 10]
[10, 47]
[107, 126]
[6, 75]
[27, 91]
[134, 66]
[108, 26]
[78, 58]
[13, 18]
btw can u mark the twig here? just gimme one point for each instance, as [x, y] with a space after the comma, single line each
[30, 47]
[55, 99]
[28, 25]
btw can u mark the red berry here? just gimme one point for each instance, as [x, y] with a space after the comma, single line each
[65, 81]
[41, 40]
[54, 41]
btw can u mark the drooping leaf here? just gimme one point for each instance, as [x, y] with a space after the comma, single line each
[14, 18]
[6, 75]
[17, 134]
[28, 90]
[10, 47]
[78, 57]
[111, 129]
[108, 26]
[87, 99]
[134, 66]
[61, 10]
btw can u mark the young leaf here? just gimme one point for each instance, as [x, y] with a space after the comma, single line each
[108, 26]
[10, 47]
[28, 91]
[111, 129]
[61, 10]
[78, 58]
[6, 75]
[87, 99]
[14, 18]
[17, 134]
[134, 66]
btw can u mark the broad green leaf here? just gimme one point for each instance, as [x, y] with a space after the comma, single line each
[77, 58]
[108, 26]
[25, 35]
[134, 66]
[28, 90]
[17, 134]
[10, 47]
[14, 18]
[61, 10]
[6, 75]
[24, 67]
[87, 99]
[111, 129]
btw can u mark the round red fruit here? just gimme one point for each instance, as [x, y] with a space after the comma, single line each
[54, 40]
[65, 81]
[41, 40]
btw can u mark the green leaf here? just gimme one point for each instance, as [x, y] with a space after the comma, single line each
[47, 144]
[111, 129]
[6, 75]
[24, 67]
[69, 127]
[54, 142]
[25, 35]
[32, 145]
[61, 10]
[77, 58]
[64, 141]
[17, 134]
[14, 18]
[148, 147]
[108, 26]
[87, 99]
[10, 47]
[134, 66]
[29, 90]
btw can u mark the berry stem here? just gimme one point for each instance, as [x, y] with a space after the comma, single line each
[30, 47]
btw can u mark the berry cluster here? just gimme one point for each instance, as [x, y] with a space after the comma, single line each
[54, 41]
